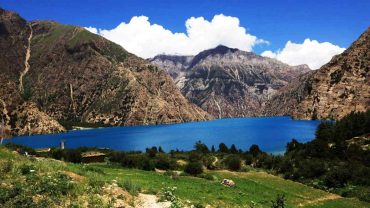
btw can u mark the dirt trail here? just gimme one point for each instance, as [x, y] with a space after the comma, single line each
[26, 64]
[328, 197]
[150, 201]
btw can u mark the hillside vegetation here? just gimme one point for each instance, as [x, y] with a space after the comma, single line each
[41, 182]
[337, 161]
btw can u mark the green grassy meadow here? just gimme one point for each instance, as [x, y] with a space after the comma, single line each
[253, 188]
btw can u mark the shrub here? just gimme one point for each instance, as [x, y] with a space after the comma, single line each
[248, 159]
[27, 169]
[6, 167]
[53, 185]
[152, 152]
[164, 162]
[337, 177]
[168, 194]
[96, 184]
[116, 157]
[88, 168]
[209, 162]
[20, 148]
[148, 164]
[208, 176]
[131, 187]
[195, 156]
[194, 168]
[312, 168]
[233, 163]
[16, 197]
[72, 155]
[172, 174]
[139, 161]
[279, 202]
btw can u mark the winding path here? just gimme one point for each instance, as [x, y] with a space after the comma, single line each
[26, 64]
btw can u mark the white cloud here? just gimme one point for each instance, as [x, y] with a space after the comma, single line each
[146, 40]
[310, 52]
[92, 29]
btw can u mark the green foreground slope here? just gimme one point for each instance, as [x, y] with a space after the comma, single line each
[47, 181]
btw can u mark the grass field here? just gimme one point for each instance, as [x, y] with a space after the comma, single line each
[253, 188]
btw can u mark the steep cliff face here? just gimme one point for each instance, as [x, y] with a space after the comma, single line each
[15, 37]
[69, 74]
[336, 89]
[228, 82]
[176, 66]
[341, 86]
[288, 97]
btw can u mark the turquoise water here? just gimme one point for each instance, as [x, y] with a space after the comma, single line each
[270, 133]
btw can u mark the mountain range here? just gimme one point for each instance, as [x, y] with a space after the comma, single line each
[331, 92]
[228, 82]
[51, 74]
[54, 75]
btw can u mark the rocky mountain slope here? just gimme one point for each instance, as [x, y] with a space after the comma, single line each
[51, 72]
[336, 89]
[228, 82]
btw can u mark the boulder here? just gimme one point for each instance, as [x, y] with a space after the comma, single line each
[228, 183]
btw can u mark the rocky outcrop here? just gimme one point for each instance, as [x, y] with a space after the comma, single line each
[228, 82]
[72, 75]
[176, 66]
[336, 89]
[28, 120]
[288, 97]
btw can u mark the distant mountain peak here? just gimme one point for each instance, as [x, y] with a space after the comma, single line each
[219, 50]
[222, 49]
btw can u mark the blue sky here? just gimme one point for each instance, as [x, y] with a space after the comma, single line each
[339, 22]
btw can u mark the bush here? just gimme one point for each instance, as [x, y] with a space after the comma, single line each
[131, 187]
[248, 159]
[337, 177]
[194, 168]
[135, 161]
[88, 168]
[209, 162]
[195, 156]
[6, 167]
[20, 148]
[279, 202]
[163, 162]
[312, 168]
[27, 169]
[16, 197]
[148, 164]
[233, 163]
[116, 157]
[208, 176]
[152, 152]
[96, 184]
[54, 185]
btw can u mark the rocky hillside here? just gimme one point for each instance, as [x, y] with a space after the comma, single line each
[287, 98]
[229, 82]
[336, 89]
[52, 73]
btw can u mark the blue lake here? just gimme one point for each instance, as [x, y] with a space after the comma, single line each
[270, 133]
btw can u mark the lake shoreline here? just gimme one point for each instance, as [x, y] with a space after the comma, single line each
[271, 133]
